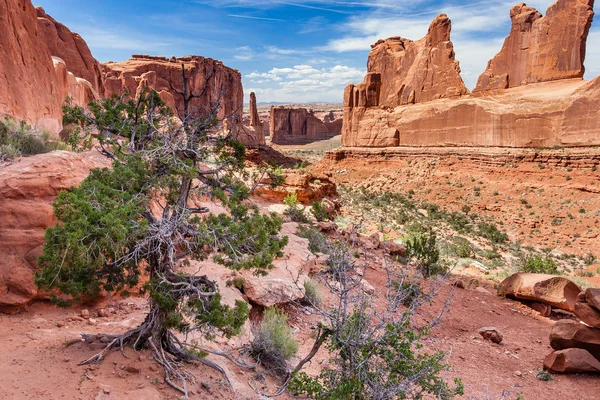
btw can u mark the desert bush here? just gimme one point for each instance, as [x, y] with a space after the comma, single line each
[274, 342]
[319, 212]
[461, 247]
[539, 265]
[317, 242]
[313, 295]
[423, 248]
[492, 233]
[375, 350]
[20, 139]
[293, 209]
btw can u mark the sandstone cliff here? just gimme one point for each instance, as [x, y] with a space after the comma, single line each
[401, 72]
[72, 49]
[299, 126]
[33, 84]
[541, 49]
[209, 79]
[535, 104]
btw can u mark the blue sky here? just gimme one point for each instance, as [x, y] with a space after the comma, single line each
[290, 50]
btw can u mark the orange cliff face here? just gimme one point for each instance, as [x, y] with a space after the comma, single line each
[540, 100]
[299, 126]
[541, 49]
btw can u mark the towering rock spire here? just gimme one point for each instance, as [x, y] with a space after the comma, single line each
[541, 49]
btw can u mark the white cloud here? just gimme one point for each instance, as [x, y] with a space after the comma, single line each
[302, 83]
[243, 53]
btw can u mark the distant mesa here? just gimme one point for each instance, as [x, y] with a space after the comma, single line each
[300, 126]
[531, 94]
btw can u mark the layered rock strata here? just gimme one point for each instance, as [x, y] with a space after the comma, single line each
[299, 126]
[541, 99]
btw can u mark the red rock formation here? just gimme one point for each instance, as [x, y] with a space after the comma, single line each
[252, 135]
[159, 73]
[71, 48]
[33, 86]
[563, 113]
[27, 189]
[299, 125]
[400, 72]
[28, 87]
[541, 49]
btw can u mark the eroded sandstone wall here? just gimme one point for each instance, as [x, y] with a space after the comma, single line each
[541, 49]
[33, 83]
[539, 98]
[72, 49]
[252, 133]
[299, 126]
[212, 82]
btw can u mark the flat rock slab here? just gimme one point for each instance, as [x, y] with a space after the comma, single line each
[554, 290]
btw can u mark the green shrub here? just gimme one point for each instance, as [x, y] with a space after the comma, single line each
[539, 265]
[317, 242]
[492, 233]
[319, 212]
[274, 342]
[461, 247]
[20, 139]
[423, 248]
[312, 296]
[293, 208]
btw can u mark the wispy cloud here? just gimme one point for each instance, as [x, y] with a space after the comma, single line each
[252, 17]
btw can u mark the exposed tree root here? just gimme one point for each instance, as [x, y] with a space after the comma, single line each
[167, 350]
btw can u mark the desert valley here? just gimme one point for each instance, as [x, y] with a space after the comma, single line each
[161, 238]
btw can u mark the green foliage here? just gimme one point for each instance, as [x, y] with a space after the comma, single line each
[423, 248]
[294, 210]
[539, 265]
[380, 364]
[461, 247]
[317, 241]
[543, 375]
[319, 212]
[274, 341]
[492, 233]
[135, 218]
[313, 296]
[20, 139]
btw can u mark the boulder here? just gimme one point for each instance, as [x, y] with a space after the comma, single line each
[567, 334]
[299, 126]
[395, 249]
[492, 334]
[571, 361]
[587, 314]
[544, 309]
[592, 296]
[27, 189]
[308, 187]
[284, 283]
[540, 49]
[556, 291]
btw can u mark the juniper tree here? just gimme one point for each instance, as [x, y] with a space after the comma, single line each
[136, 219]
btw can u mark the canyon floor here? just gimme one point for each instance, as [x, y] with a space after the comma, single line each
[536, 197]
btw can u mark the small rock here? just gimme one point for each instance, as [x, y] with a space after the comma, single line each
[60, 324]
[458, 283]
[482, 290]
[367, 287]
[85, 313]
[492, 334]
[103, 313]
[92, 322]
[133, 369]
[517, 373]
